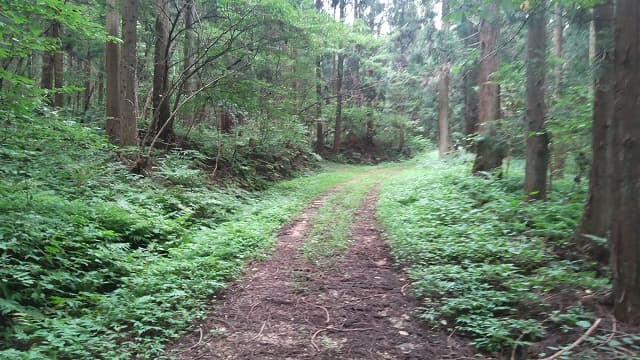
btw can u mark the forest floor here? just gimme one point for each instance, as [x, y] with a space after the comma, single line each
[351, 304]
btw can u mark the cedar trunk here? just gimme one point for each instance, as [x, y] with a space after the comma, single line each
[112, 73]
[161, 125]
[339, 91]
[537, 153]
[188, 52]
[129, 102]
[443, 94]
[625, 158]
[596, 216]
[488, 151]
[559, 148]
[319, 127]
[58, 66]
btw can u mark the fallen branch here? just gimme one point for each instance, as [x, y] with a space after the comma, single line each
[260, 333]
[577, 342]
[199, 340]
[313, 338]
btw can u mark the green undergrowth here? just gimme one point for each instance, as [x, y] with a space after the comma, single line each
[329, 236]
[483, 262]
[98, 263]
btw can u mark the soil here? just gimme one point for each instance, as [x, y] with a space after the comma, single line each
[286, 308]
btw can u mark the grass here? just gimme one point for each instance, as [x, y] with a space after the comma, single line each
[483, 262]
[100, 263]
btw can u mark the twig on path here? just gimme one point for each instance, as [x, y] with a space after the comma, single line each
[199, 340]
[325, 311]
[403, 288]
[313, 338]
[260, 333]
[577, 342]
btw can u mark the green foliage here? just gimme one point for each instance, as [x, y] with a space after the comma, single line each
[482, 260]
[99, 263]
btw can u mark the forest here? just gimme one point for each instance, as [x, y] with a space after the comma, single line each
[319, 179]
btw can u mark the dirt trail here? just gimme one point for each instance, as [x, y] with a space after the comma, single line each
[285, 308]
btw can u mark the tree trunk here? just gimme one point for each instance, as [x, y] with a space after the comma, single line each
[596, 216]
[188, 52]
[537, 153]
[319, 127]
[559, 149]
[339, 92]
[112, 73]
[58, 65]
[489, 152]
[443, 111]
[443, 94]
[161, 125]
[129, 102]
[469, 81]
[625, 158]
[46, 81]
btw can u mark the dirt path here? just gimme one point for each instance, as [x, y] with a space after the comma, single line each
[285, 308]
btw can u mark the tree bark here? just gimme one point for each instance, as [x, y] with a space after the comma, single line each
[339, 92]
[625, 158]
[129, 102]
[559, 148]
[46, 81]
[596, 216]
[58, 65]
[468, 29]
[161, 125]
[537, 153]
[489, 152]
[188, 52]
[319, 125]
[443, 94]
[112, 73]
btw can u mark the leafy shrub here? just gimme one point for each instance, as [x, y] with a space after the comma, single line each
[480, 258]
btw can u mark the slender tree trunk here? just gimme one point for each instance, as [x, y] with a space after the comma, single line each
[88, 89]
[112, 73]
[129, 102]
[489, 152]
[58, 65]
[319, 127]
[46, 81]
[189, 38]
[537, 153]
[559, 148]
[443, 94]
[469, 82]
[596, 217]
[625, 158]
[161, 124]
[339, 92]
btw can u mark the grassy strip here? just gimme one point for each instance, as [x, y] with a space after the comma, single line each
[97, 263]
[483, 262]
[328, 237]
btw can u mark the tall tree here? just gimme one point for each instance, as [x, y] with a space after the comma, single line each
[625, 160]
[58, 64]
[46, 79]
[339, 90]
[112, 73]
[559, 156]
[188, 52]
[319, 128]
[161, 124]
[443, 92]
[488, 150]
[129, 103]
[468, 31]
[596, 216]
[537, 153]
